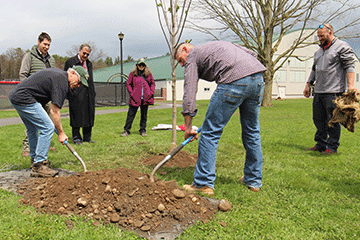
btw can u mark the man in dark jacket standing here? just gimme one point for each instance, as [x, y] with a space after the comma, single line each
[82, 99]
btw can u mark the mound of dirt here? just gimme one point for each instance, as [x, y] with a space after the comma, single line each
[181, 160]
[123, 197]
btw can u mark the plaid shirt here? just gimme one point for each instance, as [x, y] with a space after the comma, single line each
[219, 61]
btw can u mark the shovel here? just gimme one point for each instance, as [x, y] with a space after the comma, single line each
[72, 150]
[173, 153]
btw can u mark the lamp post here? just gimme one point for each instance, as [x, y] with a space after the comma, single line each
[121, 37]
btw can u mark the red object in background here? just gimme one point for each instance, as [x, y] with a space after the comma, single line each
[182, 127]
[9, 82]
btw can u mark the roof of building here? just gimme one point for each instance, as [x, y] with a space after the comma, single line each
[160, 68]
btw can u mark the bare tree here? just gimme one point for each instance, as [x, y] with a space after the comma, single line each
[95, 55]
[10, 63]
[260, 25]
[174, 24]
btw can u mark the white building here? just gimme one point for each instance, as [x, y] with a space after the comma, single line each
[289, 80]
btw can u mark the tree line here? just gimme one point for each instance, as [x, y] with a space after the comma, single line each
[10, 61]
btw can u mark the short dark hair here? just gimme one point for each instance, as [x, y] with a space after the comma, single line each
[43, 36]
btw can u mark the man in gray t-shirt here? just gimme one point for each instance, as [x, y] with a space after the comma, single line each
[333, 69]
[29, 97]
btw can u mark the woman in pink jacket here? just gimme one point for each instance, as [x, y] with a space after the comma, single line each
[141, 87]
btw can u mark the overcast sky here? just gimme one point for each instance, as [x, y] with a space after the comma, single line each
[74, 22]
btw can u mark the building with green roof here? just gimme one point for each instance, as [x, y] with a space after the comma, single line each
[289, 81]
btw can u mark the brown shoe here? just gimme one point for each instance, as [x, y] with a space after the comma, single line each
[254, 189]
[26, 154]
[205, 189]
[52, 149]
[41, 170]
[46, 162]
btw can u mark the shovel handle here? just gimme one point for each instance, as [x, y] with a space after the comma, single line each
[72, 150]
[168, 157]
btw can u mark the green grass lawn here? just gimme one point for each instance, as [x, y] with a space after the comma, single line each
[304, 196]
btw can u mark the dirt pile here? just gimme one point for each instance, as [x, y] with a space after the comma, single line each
[181, 160]
[123, 197]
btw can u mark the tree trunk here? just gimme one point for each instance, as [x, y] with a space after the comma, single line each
[268, 90]
[173, 73]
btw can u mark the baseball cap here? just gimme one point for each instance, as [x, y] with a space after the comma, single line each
[84, 75]
[141, 60]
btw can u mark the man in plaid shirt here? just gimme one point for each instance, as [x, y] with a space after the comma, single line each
[239, 76]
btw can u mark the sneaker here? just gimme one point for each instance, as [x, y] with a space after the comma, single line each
[124, 134]
[328, 152]
[46, 162]
[91, 141]
[254, 189]
[41, 170]
[26, 154]
[313, 149]
[205, 189]
[78, 142]
[143, 134]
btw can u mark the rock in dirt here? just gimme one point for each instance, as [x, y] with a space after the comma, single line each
[114, 218]
[178, 193]
[224, 205]
[145, 228]
[82, 202]
[161, 207]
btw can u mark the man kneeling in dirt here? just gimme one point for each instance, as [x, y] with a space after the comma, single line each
[29, 97]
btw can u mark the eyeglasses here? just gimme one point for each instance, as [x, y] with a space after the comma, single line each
[141, 65]
[322, 26]
[86, 54]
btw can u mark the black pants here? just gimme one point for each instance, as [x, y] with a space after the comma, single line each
[86, 133]
[131, 115]
[326, 137]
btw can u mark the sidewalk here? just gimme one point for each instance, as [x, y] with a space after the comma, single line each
[17, 120]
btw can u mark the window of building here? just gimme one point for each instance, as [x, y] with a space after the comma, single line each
[296, 63]
[297, 76]
[280, 76]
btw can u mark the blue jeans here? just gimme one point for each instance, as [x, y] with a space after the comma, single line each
[245, 94]
[326, 137]
[40, 129]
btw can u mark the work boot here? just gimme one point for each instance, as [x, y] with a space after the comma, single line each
[204, 189]
[46, 162]
[254, 189]
[41, 170]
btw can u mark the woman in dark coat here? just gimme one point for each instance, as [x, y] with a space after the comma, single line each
[141, 87]
[82, 99]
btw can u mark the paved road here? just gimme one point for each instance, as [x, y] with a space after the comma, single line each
[17, 120]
